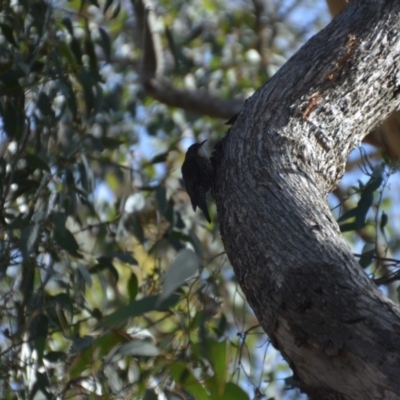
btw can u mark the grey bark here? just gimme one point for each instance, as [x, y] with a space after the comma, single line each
[273, 171]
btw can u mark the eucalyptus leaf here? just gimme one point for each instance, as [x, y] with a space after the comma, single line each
[184, 267]
[138, 307]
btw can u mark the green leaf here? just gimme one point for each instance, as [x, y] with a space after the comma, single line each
[150, 394]
[75, 47]
[134, 224]
[28, 239]
[116, 11]
[83, 348]
[67, 242]
[137, 308]
[10, 118]
[124, 257]
[21, 221]
[383, 222]
[83, 2]
[107, 5]
[82, 362]
[217, 355]
[85, 80]
[66, 52]
[92, 143]
[133, 286]
[62, 321]
[233, 391]
[65, 302]
[290, 381]
[351, 226]
[367, 255]
[363, 207]
[11, 76]
[176, 237]
[42, 384]
[183, 268]
[28, 277]
[187, 380]
[59, 219]
[86, 177]
[63, 237]
[87, 348]
[359, 213]
[38, 330]
[55, 356]
[161, 196]
[105, 263]
[160, 158]
[68, 24]
[8, 33]
[36, 162]
[376, 179]
[93, 65]
[69, 94]
[364, 204]
[85, 274]
[196, 242]
[111, 143]
[194, 33]
[44, 105]
[98, 95]
[136, 348]
[81, 343]
[222, 326]
[69, 177]
[212, 386]
[109, 340]
[347, 215]
[105, 44]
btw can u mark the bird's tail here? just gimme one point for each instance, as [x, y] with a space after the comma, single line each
[202, 204]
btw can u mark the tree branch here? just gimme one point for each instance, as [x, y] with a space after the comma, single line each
[286, 150]
[198, 101]
[158, 87]
[149, 38]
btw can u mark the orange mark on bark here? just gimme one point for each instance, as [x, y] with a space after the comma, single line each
[311, 105]
[343, 61]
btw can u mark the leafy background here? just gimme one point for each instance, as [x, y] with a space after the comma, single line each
[110, 285]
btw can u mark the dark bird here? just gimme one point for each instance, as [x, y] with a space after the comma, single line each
[197, 175]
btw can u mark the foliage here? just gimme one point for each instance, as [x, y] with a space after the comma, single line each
[110, 286]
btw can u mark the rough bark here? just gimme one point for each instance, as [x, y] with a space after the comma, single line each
[273, 171]
[387, 135]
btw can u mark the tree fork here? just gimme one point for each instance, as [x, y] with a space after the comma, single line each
[284, 153]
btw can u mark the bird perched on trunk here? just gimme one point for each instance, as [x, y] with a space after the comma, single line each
[197, 175]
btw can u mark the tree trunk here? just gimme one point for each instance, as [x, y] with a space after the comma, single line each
[273, 171]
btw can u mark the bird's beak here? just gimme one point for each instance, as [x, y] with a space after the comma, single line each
[201, 144]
